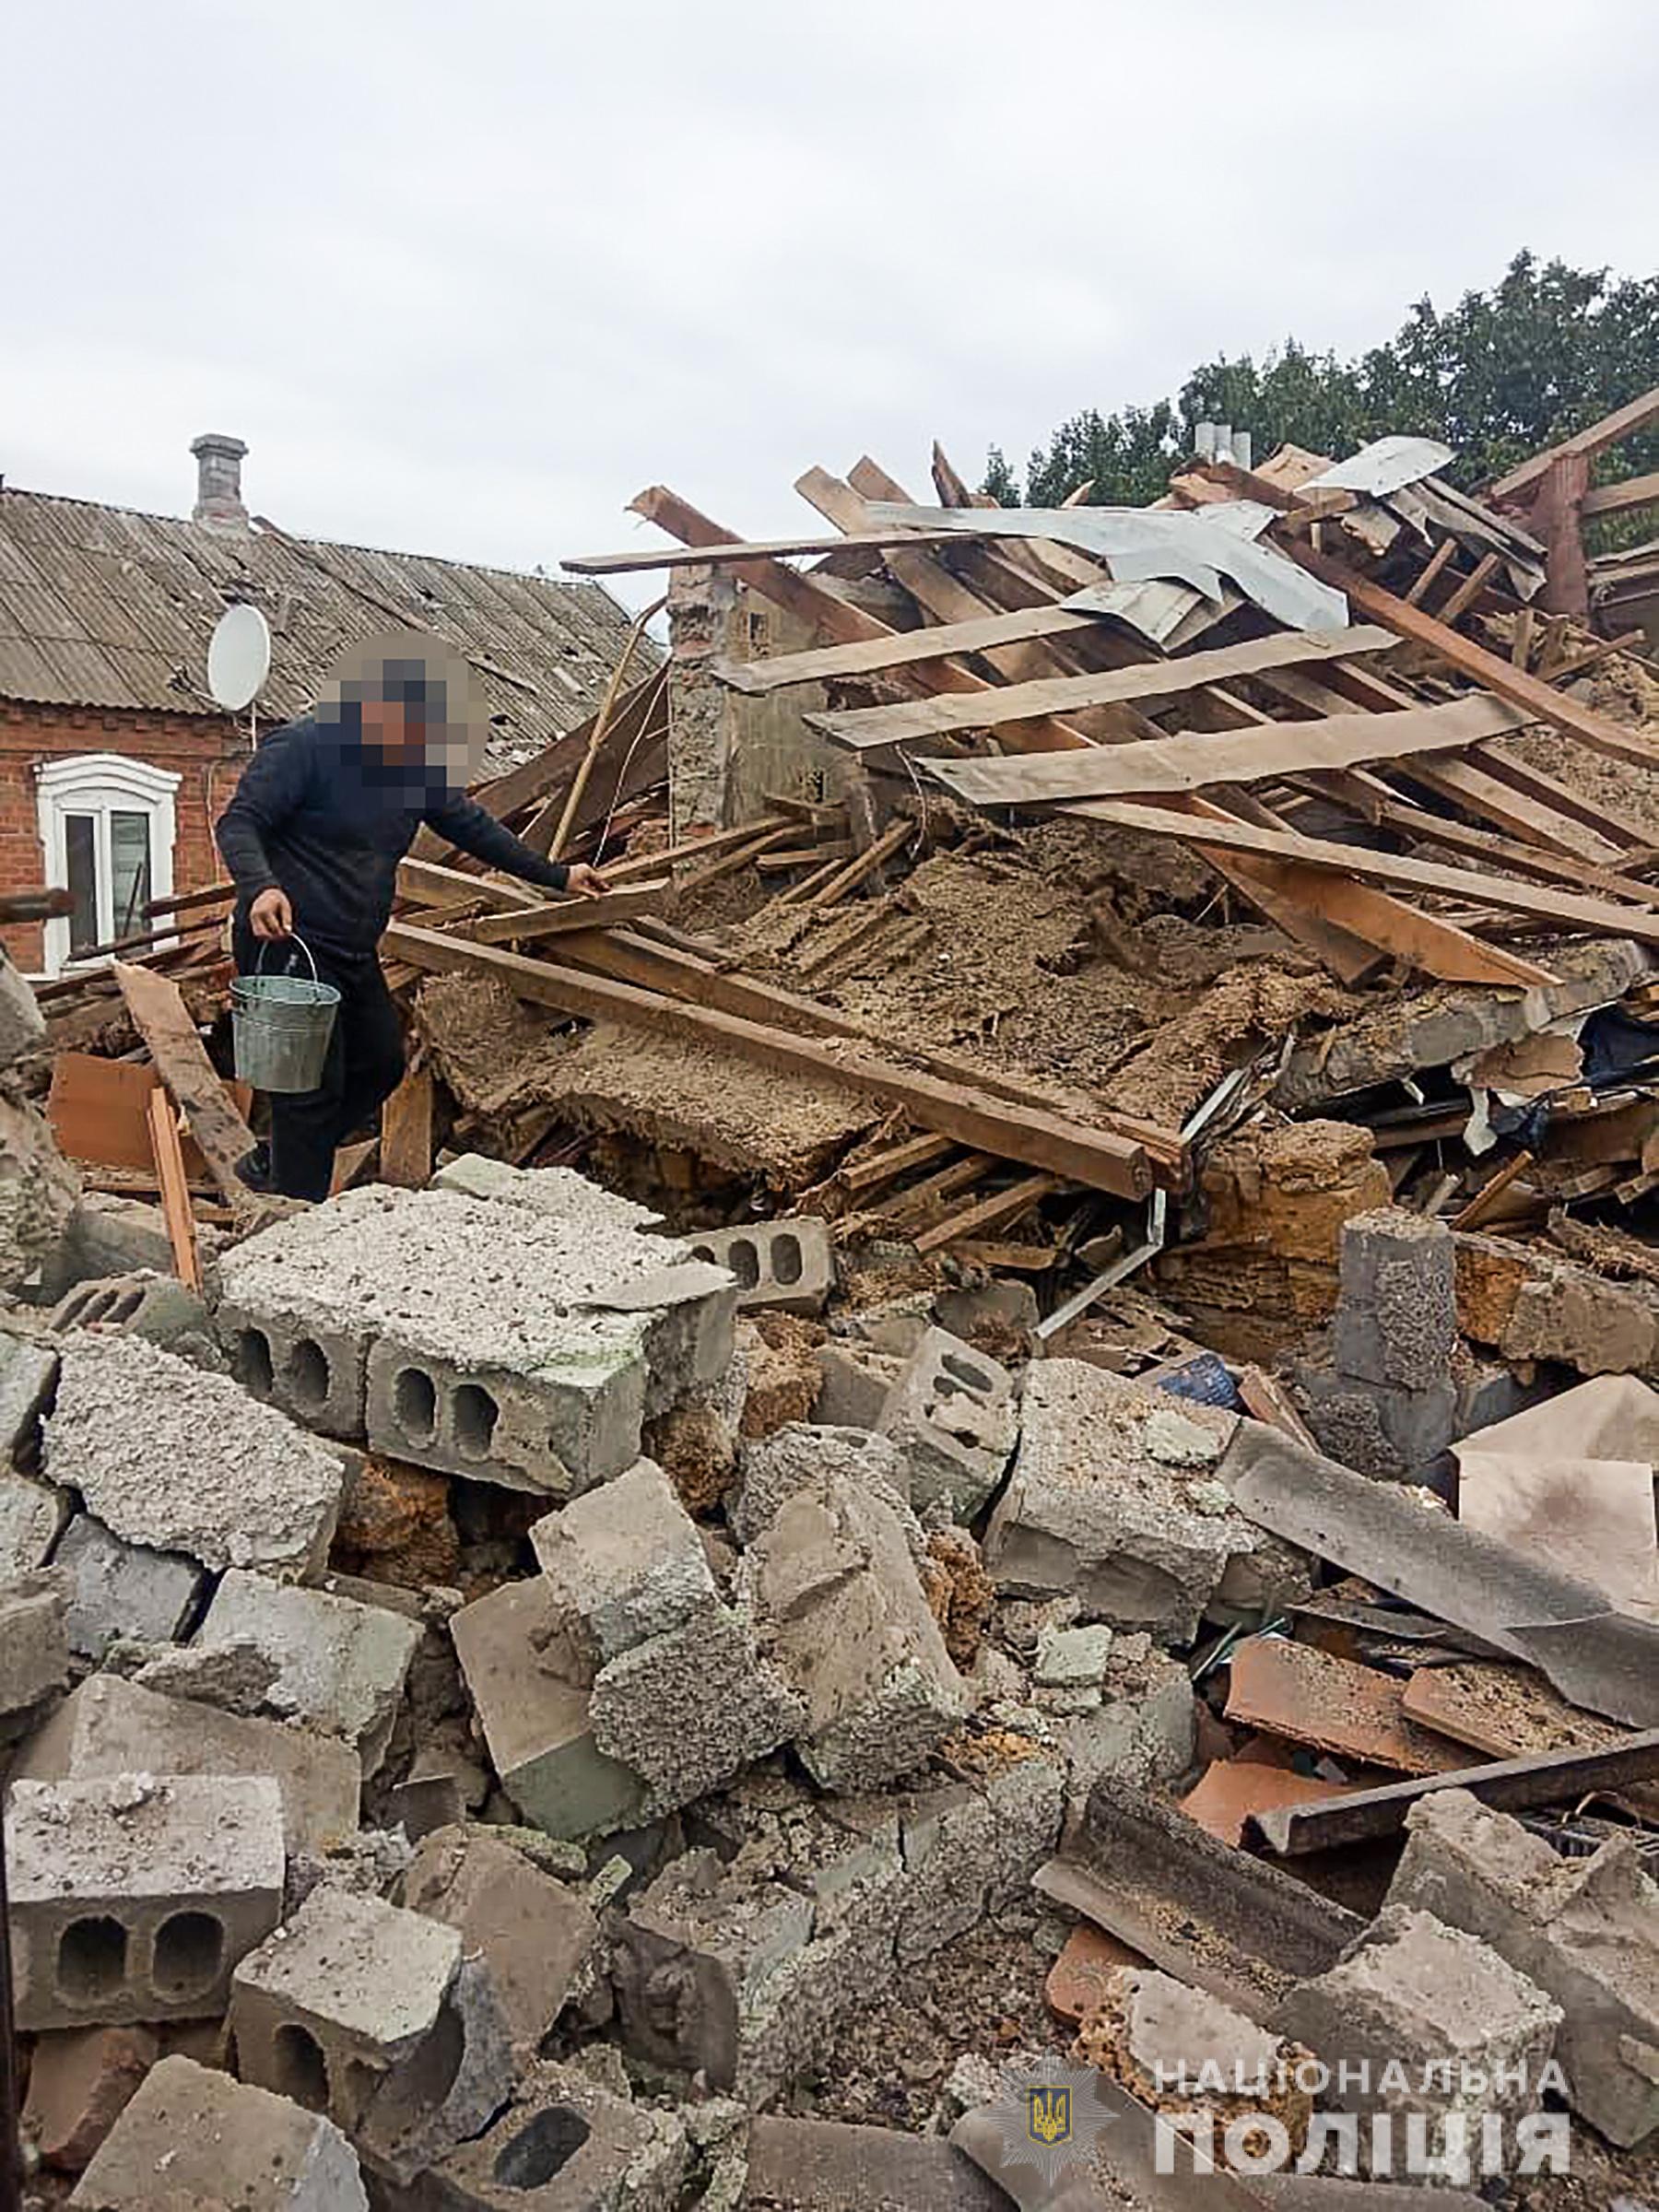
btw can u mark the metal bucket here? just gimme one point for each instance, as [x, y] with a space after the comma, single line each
[280, 1026]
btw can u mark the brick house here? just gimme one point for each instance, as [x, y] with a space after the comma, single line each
[114, 762]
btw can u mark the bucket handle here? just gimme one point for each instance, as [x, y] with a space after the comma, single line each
[293, 938]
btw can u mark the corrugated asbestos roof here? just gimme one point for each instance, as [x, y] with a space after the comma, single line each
[102, 606]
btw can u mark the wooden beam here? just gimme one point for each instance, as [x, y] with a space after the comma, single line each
[903, 648]
[1507, 852]
[1107, 687]
[1424, 580]
[1468, 589]
[1194, 761]
[1002, 1210]
[406, 1140]
[1521, 690]
[1030, 1134]
[429, 883]
[1620, 498]
[563, 914]
[163, 1119]
[163, 1021]
[1553, 909]
[737, 550]
[1622, 423]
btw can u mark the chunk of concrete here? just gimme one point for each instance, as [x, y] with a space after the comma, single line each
[80, 2081]
[689, 1708]
[450, 2087]
[123, 1590]
[563, 2144]
[855, 1384]
[533, 1931]
[1396, 1310]
[28, 1373]
[1144, 1727]
[786, 1267]
[348, 1989]
[32, 1517]
[1413, 1995]
[133, 1898]
[1113, 1499]
[1587, 1930]
[828, 2166]
[773, 1468]
[623, 1563]
[533, 1706]
[22, 1024]
[845, 1620]
[341, 1666]
[34, 1645]
[192, 2137]
[107, 1726]
[953, 1416]
[142, 1303]
[38, 1193]
[181, 1461]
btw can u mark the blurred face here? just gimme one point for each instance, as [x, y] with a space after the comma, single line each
[392, 730]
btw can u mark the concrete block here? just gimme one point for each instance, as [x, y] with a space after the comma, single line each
[107, 1727]
[1072, 1658]
[108, 1236]
[689, 1708]
[34, 1645]
[1587, 1930]
[772, 1469]
[1143, 1730]
[314, 1373]
[192, 2137]
[181, 1461]
[80, 2081]
[971, 1848]
[118, 1589]
[1114, 1499]
[38, 1189]
[953, 1415]
[787, 1266]
[563, 2144]
[623, 1563]
[1397, 1309]
[449, 2087]
[28, 1373]
[156, 1307]
[134, 1899]
[533, 1709]
[346, 1991]
[31, 1520]
[1415, 1992]
[855, 1384]
[341, 1666]
[533, 1931]
[22, 1024]
[844, 1619]
[828, 2166]
[1378, 1428]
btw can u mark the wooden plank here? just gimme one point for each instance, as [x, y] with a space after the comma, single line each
[833, 664]
[161, 1116]
[865, 863]
[1037, 1138]
[1623, 422]
[406, 1141]
[163, 1021]
[99, 1110]
[999, 1211]
[1558, 910]
[751, 550]
[886, 1167]
[1518, 686]
[1493, 798]
[806, 856]
[1621, 499]
[1486, 1199]
[1198, 760]
[693, 848]
[1429, 573]
[1468, 589]
[561, 915]
[1061, 695]
[1507, 852]
[429, 883]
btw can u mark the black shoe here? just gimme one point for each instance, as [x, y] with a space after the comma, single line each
[254, 1169]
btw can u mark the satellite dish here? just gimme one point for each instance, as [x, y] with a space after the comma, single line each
[239, 657]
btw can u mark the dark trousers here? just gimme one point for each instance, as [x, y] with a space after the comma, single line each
[364, 1067]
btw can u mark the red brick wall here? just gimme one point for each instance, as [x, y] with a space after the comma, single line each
[205, 751]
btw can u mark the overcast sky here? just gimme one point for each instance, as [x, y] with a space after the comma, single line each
[466, 277]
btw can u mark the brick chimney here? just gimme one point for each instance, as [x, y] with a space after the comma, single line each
[218, 482]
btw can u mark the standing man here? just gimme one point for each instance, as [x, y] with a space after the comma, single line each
[325, 809]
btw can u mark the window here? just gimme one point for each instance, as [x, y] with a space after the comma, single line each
[107, 833]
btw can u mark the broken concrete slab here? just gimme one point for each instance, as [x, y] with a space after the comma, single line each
[1378, 1428]
[28, 1373]
[123, 1590]
[133, 1898]
[343, 1993]
[109, 1728]
[623, 1563]
[80, 2080]
[953, 1415]
[341, 1666]
[844, 1617]
[1587, 1930]
[143, 1303]
[786, 1266]
[34, 1643]
[775, 1469]
[1113, 1497]
[828, 2166]
[526, 1687]
[533, 1931]
[1414, 1996]
[207, 1470]
[191, 2135]
[32, 1517]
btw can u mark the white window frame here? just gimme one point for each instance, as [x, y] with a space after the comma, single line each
[101, 785]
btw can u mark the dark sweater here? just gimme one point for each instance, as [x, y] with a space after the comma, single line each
[326, 821]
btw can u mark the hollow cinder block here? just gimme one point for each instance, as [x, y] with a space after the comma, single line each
[783, 1267]
[133, 1898]
[314, 1373]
